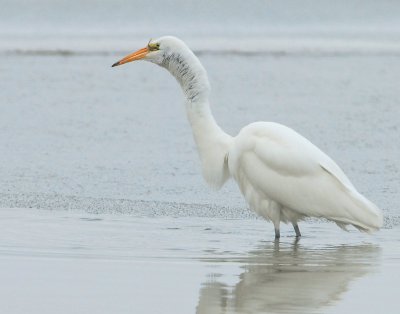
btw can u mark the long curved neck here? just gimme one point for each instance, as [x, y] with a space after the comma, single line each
[212, 142]
[190, 74]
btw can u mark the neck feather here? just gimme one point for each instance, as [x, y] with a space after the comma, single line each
[212, 142]
[190, 73]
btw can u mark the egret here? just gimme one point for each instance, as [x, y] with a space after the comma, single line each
[282, 176]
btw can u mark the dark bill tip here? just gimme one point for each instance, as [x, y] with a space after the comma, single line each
[115, 64]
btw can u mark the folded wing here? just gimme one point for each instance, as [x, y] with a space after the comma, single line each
[277, 163]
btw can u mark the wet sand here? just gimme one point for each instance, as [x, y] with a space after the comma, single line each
[90, 130]
[103, 208]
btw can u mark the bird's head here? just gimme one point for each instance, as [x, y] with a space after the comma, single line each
[157, 51]
[172, 54]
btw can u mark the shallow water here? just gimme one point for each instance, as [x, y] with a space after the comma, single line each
[120, 218]
[73, 261]
[103, 208]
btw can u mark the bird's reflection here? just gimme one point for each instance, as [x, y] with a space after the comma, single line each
[288, 278]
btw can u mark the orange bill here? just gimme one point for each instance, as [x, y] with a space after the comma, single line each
[137, 55]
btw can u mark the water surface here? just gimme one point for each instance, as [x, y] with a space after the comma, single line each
[73, 261]
[103, 208]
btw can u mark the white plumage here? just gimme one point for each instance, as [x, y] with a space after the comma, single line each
[282, 175]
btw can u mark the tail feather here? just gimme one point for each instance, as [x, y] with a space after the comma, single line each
[342, 226]
[362, 214]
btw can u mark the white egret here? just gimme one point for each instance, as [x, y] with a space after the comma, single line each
[282, 175]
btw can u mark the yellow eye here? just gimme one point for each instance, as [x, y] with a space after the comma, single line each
[153, 46]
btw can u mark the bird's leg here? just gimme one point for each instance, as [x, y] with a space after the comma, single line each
[276, 218]
[296, 229]
[277, 222]
[277, 233]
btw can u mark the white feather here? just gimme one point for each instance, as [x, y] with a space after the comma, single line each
[282, 166]
[282, 175]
